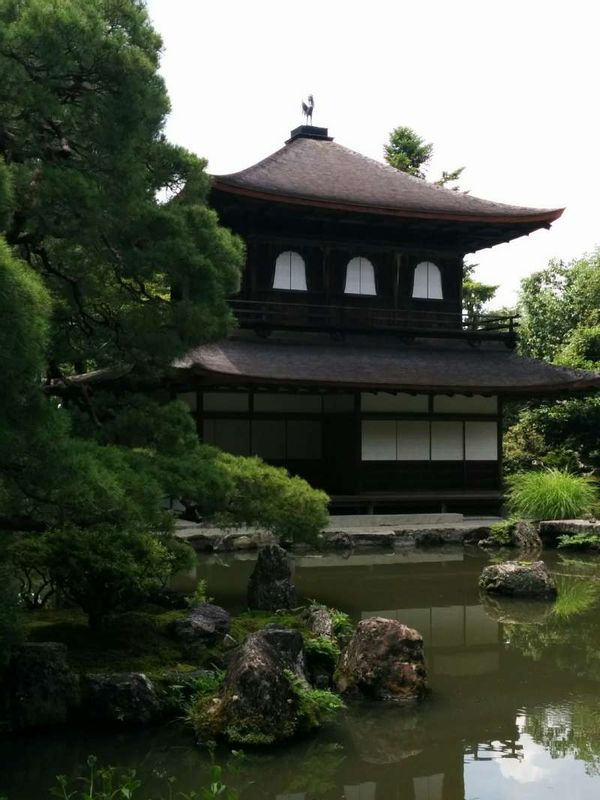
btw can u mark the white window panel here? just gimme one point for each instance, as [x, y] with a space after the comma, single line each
[446, 441]
[290, 271]
[412, 441]
[268, 439]
[270, 401]
[190, 399]
[231, 435]
[303, 439]
[387, 402]
[427, 282]
[360, 277]
[461, 404]
[481, 441]
[338, 403]
[225, 401]
[378, 440]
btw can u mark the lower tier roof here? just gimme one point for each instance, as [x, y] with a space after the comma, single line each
[380, 363]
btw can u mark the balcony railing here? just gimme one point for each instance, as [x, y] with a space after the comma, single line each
[266, 316]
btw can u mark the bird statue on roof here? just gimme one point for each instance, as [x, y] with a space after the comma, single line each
[307, 109]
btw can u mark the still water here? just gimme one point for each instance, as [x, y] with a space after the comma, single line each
[514, 710]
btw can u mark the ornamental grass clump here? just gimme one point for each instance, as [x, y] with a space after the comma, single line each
[552, 494]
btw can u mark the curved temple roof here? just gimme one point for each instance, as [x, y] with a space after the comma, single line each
[425, 365]
[312, 169]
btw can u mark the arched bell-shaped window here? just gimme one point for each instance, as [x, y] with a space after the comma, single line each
[290, 271]
[428, 281]
[360, 276]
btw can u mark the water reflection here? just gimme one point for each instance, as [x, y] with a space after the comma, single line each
[513, 712]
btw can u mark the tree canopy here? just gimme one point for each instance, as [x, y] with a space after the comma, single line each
[109, 256]
[95, 199]
[409, 152]
[560, 322]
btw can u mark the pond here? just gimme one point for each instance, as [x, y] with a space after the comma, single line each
[514, 710]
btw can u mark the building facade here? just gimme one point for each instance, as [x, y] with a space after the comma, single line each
[353, 364]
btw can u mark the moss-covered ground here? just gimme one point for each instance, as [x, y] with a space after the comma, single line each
[138, 641]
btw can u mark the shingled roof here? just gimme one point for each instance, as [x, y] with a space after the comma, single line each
[379, 363]
[312, 169]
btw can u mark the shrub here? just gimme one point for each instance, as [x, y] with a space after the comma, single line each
[268, 496]
[104, 570]
[501, 532]
[109, 783]
[551, 494]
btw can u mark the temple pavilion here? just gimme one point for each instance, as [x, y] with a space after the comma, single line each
[353, 364]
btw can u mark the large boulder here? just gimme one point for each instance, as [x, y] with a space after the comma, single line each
[270, 586]
[257, 704]
[42, 689]
[383, 661]
[319, 621]
[526, 536]
[127, 698]
[518, 579]
[204, 625]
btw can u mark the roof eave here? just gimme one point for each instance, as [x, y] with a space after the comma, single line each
[582, 384]
[543, 218]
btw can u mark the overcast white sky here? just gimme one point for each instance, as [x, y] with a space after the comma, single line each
[508, 89]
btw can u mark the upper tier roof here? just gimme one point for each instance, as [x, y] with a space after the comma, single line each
[312, 169]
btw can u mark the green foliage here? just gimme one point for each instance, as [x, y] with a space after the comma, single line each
[102, 206]
[322, 648]
[252, 621]
[137, 641]
[407, 151]
[104, 570]
[109, 783]
[501, 532]
[342, 625]
[557, 301]
[575, 596]
[579, 541]
[267, 496]
[474, 294]
[314, 706]
[199, 595]
[560, 322]
[581, 348]
[551, 494]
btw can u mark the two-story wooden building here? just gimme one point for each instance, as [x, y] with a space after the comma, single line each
[353, 365]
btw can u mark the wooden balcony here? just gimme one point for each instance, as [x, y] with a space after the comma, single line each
[266, 316]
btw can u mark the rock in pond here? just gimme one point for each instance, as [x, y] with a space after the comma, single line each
[42, 689]
[128, 698]
[319, 621]
[270, 586]
[526, 536]
[383, 661]
[204, 625]
[257, 704]
[518, 579]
